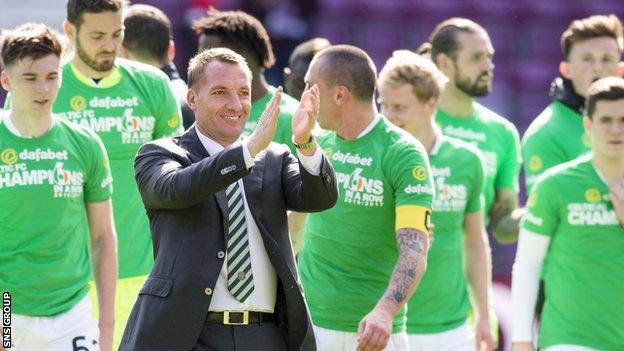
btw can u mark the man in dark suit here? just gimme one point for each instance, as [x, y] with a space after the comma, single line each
[224, 276]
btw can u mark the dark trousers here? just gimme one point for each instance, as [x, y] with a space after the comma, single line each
[257, 337]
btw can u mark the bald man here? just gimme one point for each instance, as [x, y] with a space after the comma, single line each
[361, 260]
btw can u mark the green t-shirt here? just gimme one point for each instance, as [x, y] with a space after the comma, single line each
[350, 251]
[584, 275]
[134, 106]
[556, 136]
[498, 140]
[283, 131]
[45, 183]
[441, 301]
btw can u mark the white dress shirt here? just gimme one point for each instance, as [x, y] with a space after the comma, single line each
[264, 277]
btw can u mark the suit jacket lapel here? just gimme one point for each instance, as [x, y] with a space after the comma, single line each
[197, 152]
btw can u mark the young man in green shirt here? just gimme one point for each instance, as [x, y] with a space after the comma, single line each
[592, 48]
[241, 32]
[437, 313]
[362, 259]
[127, 104]
[575, 220]
[56, 221]
[463, 52]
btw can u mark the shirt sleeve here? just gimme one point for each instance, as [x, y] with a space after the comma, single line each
[168, 118]
[509, 168]
[98, 182]
[532, 249]
[312, 164]
[409, 173]
[539, 154]
[542, 214]
[476, 200]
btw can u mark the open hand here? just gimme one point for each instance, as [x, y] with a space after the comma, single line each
[305, 117]
[263, 134]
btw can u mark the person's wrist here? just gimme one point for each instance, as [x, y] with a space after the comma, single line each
[303, 143]
[253, 151]
[388, 309]
[302, 139]
[310, 151]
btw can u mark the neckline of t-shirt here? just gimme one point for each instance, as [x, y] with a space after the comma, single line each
[472, 117]
[577, 115]
[109, 82]
[598, 173]
[5, 118]
[440, 139]
[364, 135]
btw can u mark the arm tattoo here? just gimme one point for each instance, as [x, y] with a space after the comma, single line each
[412, 245]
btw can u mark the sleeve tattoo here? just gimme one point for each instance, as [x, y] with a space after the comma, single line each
[413, 245]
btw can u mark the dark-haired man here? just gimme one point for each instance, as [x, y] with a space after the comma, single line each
[592, 49]
[128, 104]
[575, 220]
[52, 173]
[298, 63]
[241, 32]
[148, 39]
[463, 51]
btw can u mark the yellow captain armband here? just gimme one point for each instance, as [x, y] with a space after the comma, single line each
[413, 216]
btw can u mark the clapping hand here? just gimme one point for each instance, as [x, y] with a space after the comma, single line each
[305, 117]
[263, 134]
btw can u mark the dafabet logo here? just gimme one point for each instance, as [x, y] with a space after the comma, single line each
[419, 172]
[8, 156]
[78, 103]
[593, 195]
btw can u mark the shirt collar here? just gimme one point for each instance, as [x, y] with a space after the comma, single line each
[211, 146]
[5, 117]
[369, 127]
[110, 80]
[437, 142]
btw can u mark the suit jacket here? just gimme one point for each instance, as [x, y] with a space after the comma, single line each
[183, 190]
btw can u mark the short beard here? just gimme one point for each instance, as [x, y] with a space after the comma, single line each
[474, 89]
[103, 66]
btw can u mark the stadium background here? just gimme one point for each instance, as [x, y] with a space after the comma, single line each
[525, 35]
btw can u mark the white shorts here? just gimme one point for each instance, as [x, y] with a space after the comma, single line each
[458, 339]
[336, 340]
[566, 347]
[73, 330]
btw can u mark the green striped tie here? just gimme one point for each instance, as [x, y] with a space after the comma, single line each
[240, 278]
